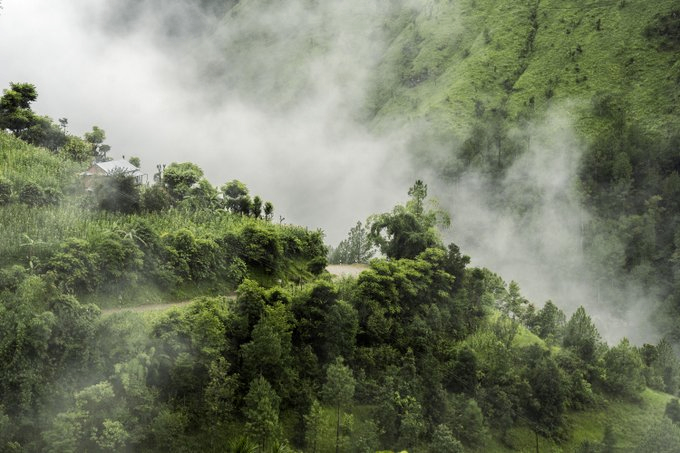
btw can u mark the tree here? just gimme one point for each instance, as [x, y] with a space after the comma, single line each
[356, 248]
[268, 210]
[549, 322]
[43, 132]
[15, 107]
[443, 441]
[236, 197]
[220, 393]
[119, 192]
[313, 424]
[408, 230]
[581, 335]
[546, 406]
[77, 149]
[96, 140]
[261, 410]
[179, 177]
[256, 207]
[338, 390]
[623, 370]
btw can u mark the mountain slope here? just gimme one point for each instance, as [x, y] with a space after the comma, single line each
[453, 61]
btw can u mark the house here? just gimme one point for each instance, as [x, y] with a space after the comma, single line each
[104, 169]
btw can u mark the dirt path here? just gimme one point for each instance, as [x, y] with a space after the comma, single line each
[339, 270]
[144, 308]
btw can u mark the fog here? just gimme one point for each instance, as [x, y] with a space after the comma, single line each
[273, 96]
[270, 99]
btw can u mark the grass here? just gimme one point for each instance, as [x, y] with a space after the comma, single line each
[479, 52]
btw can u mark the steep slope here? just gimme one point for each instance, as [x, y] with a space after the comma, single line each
[455, 60]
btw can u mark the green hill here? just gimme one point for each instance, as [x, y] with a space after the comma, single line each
[452, 61]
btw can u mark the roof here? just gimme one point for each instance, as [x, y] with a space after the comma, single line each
[113, 166]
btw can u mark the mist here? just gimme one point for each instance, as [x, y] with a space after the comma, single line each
[272, 95]
[271, 99]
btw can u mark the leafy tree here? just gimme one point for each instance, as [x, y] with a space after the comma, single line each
[581, 335]
[608, 440]
[180, 177]
[261, 410]
[623, 370]
[256, 207]
[546, 405]
[357, 248]
[443, 441]
[268, 210]
[32, 194]
[220, 393]
[43, 132]
[468, 422]
[15, 107]
[236, 197]
[268, 354]
[118, 192]
[155, 199]
[549, 322]
[75, 148]
[96, 140]
[313, 425]
[338, 390]
[408, 230]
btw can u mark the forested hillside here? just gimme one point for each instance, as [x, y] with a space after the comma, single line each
[422, 351]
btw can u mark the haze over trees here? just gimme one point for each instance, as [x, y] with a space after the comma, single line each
[421, 351]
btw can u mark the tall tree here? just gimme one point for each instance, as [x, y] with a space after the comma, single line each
[581, 335]
[408, 230]
[356, 248]
[96, 140]
[261, 410]
[338, 390]
[15, 107]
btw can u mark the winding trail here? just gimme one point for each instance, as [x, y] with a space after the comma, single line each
[337, 270]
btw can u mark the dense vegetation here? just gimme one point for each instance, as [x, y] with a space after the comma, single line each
[421, 351]
[418, 352]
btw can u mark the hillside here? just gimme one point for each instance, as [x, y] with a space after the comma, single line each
[181, 316]
[450, 62]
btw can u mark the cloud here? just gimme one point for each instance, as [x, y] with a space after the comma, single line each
[269, 93]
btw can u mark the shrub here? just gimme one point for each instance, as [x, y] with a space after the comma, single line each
[5, 191]
[32, 194]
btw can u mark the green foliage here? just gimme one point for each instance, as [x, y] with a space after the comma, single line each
[581, 335]
[357, 248]
[5, 191]
[662, 437]
[623, 370]
[119, 192]
[261, 410]
[180, 177]
[155, 199]
[15, 107]
[443, 441]
[76, 149]
[95, 139]
[407, 230]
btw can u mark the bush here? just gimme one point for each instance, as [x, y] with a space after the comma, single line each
[156, 198]
[5, 191]
[260, 247]
[32, 194]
